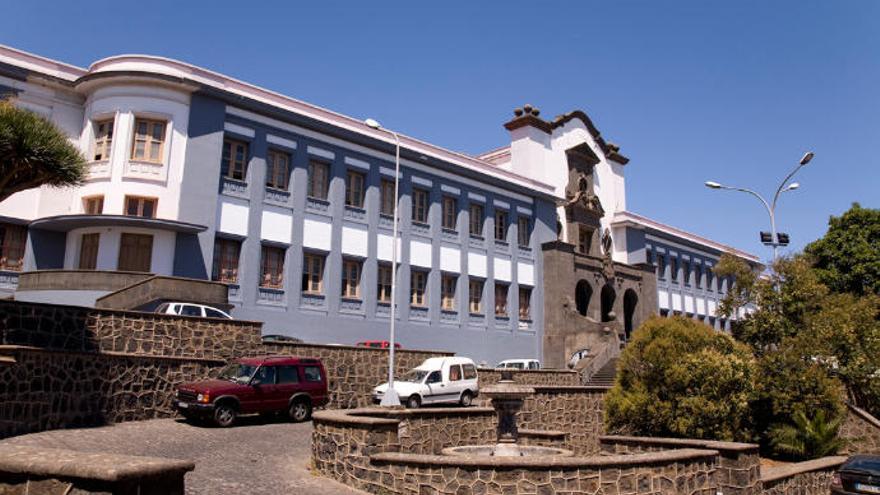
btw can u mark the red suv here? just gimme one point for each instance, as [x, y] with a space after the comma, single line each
[383, 344]
[265, 385]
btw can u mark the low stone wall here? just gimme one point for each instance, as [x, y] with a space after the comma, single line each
[39, 471]
[367, 449]
[579, 412]
[547, 377]
[44, 389]
[803, 478]
[353, 371]
[861, 432]
[738, 469]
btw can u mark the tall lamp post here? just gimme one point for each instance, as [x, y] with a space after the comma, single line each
[390, 398]
[774, 239]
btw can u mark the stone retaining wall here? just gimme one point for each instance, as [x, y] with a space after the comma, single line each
[38, 471]
[861, 431]
[579, 412]
[547, 377]
[803, 478]
[738, 467]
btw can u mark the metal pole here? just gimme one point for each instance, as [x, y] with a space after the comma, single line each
[390, 398]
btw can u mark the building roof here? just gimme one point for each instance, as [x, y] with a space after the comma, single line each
[147, 65]
[627, 218]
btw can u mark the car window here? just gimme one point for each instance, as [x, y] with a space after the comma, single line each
[534, 365]
[288, 374]
[265, 375]
[455, 373]
[375, 344]
[470, 371]
[190, 310]
[312, 373]
[213, 313]
[163, 308]
[434, 377]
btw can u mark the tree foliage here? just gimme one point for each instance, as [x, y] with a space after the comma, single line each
[34, 152]
[679, 378]
[847, 258]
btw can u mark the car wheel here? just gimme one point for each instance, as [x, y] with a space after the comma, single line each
[300, 410]
[414, 402]
[224, 415]
[466, 398]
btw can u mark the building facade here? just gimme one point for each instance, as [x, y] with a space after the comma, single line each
[195, 174]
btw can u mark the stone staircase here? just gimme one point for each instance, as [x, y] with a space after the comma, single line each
[605, 376]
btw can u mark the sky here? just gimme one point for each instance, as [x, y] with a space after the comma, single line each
[732, 91]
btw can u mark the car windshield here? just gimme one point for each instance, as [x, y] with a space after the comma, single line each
[414, 376]
[238, 372]
[864, 464]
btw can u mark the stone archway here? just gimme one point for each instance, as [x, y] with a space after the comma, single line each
[630, 303]
[607, 299]
[583, 293]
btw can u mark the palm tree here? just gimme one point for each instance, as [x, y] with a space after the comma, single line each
[808, 438]
[34, 152]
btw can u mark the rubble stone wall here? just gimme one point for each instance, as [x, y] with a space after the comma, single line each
[803, 478]
[547, 377]
[579, 412]
[861, 431]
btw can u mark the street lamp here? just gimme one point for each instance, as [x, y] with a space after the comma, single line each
[390, 398]
[771, 207]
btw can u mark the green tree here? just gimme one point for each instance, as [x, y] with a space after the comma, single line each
[680, 378]
[847, 258]
[808, 437]
[34, 152]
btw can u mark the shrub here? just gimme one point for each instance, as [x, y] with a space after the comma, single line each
[808, 438]
[680, 378]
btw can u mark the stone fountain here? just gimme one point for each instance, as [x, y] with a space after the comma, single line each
[507, 399]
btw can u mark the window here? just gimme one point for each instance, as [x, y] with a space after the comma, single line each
[585, 239]
[686, 270]
[312, 373]
[137, 206]
[523, 231]
[418, 283]
[500, 225]
[93, 205]
[501, 299]
[226, 255]
[351, 279]
[673, 268]
[354, 189]
[313, 273]
[420, 205]
[383, 283]
[235, 157]
[287, 374]
[470, 371]
[135, 253]
[525, 303]
[149, 140]
[387, 197]
[88, 251]
[265, 375]
[450, 209]
[103, 139]
[698, 275]
[661, 266]
[709, 278]
[277, 169]
[434, 377]
[213, 313]
[190, 310]
[447, 289]
[475, 296]
[649, 256]
[272, 267]
[319, 180]
[455, 373]
[476, 214]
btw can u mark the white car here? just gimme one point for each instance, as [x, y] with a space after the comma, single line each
[191, 309]
[440, 380]
[520, 364]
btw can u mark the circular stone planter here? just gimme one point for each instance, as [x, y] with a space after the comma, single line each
[506, 450]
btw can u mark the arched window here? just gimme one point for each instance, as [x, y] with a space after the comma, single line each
[582, 295]
[608, 297]
[630, 302]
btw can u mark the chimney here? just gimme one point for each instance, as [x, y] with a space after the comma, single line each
[529, 143]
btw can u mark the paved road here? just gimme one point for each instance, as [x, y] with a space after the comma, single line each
[256, 457]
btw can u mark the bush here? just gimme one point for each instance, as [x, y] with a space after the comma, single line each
[808, 438]
[680, 378]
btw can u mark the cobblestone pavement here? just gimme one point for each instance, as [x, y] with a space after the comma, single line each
[255, 457]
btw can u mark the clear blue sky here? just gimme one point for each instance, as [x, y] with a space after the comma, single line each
[734, 91]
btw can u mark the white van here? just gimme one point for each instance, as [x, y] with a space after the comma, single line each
[520, 364]
[440, 380]
[192, 309]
